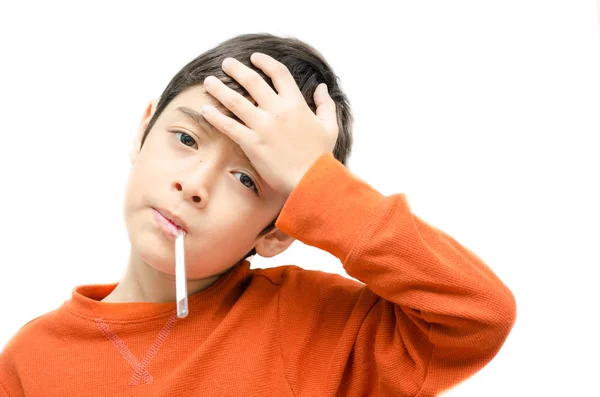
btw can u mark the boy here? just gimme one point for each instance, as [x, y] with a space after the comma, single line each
[255, 133]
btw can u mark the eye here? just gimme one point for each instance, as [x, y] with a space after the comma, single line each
[184, 138]
[247, 181]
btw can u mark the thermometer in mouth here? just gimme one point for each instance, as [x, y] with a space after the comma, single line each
[180, 277]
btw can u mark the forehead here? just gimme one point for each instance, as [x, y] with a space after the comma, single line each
[194, 97]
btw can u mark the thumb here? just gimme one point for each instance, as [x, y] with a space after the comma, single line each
[325, 107]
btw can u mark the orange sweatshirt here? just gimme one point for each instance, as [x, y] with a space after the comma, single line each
[429, 315]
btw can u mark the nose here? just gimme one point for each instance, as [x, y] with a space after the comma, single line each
[194, 184]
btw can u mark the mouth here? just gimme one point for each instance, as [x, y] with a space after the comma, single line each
[170, 222]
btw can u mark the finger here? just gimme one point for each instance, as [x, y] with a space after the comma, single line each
[279, 73]
[256, 86]
[325, 108]
[232, 100]
[238, 132]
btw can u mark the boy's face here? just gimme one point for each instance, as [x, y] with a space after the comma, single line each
[200, 175]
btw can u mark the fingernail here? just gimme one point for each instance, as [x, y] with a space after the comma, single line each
[205, 108]
[209, 80]
[226, 63]
[325, 87]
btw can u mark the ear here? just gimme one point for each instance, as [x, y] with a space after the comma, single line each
[273, 243]
[137, 140]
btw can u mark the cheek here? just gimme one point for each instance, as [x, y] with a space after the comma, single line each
[227, 230]
[148, 173]
[135, 188]
[131, 190]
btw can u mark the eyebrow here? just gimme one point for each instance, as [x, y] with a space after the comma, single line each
[199, 119]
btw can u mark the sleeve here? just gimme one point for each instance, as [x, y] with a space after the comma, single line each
[3, 392]
[7, 376]
[9, 379]
[429, 315]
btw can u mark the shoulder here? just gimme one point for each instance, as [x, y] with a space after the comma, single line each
[309, 301]
[23, 348]
[292, 277]
[31, 334]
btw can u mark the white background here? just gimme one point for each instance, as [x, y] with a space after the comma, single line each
[486, 114]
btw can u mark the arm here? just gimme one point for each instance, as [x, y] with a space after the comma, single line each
[3, 392]
[431, 313]
[7, 373]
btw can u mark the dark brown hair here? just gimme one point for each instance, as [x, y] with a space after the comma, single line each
[306, 64]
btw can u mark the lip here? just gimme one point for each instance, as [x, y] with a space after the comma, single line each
[174, 219]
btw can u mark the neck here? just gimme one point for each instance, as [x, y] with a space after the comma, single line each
[143, 283]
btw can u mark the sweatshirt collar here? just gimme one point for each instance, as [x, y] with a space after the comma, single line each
[86, 299]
